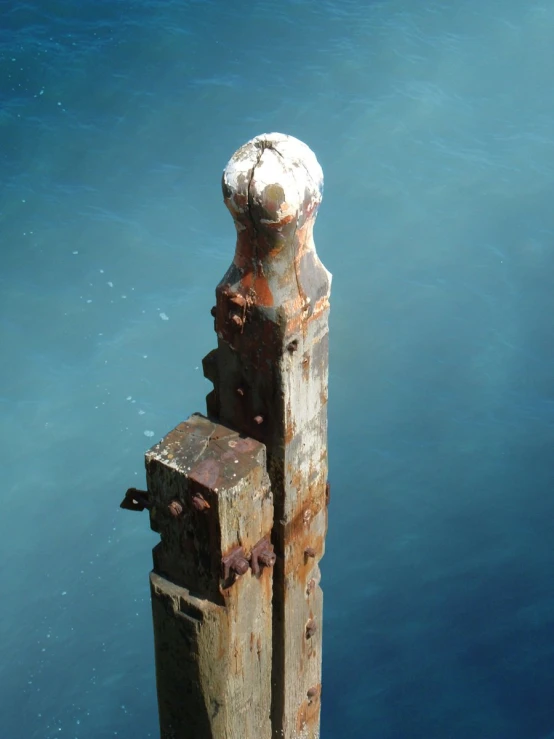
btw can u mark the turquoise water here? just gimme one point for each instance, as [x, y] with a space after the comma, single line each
[433, 123]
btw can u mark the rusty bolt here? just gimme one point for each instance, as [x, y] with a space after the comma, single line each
[235, 563]
[237, 320]
[238, 300]
[309, 552]
[199, 502]
[267, 559]
[313, 692]
[311, 628]
[258, 419]
[213, 311]
[262, 555]
[292, 346]
[240, 566]
[175, 508]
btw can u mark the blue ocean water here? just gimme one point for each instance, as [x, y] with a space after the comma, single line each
[434, 125]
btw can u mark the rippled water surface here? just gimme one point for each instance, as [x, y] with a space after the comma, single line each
[434, 124]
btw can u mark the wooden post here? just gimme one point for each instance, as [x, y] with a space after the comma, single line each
[270, 374]
[210, 500]
[240, 497]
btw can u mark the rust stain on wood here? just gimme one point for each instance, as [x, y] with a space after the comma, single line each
[206, 473]
[236, 600]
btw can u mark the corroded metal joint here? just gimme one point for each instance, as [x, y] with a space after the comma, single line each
[234, 564]
[237, 312]
[136, 500]
[262, 556]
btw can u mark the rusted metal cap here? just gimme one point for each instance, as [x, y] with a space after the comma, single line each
[234, 565]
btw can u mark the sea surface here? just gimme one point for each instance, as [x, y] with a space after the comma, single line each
[434, 125]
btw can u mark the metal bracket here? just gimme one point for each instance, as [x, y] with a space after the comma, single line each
[136, 500]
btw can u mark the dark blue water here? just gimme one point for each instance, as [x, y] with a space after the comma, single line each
[434, 124]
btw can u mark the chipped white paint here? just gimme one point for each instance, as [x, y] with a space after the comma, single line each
[268, 160]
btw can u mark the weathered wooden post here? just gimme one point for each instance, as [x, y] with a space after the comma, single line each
[270, 376]
[211, 503]
[238, 643]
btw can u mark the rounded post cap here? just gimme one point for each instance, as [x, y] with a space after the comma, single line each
[273, 180]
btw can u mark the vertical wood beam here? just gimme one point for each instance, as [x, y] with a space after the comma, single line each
[270, 375]
[210, 501]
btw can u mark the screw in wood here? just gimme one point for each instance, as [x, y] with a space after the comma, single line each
[175, 508]
[199, 502]
[313, 693]
[267, 559]
[235, 563]
[262, 556]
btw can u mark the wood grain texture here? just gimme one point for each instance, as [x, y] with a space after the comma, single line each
[212, 627]
[270, 375]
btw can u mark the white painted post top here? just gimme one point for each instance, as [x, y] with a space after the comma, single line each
[273, 186]
[275, 174]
